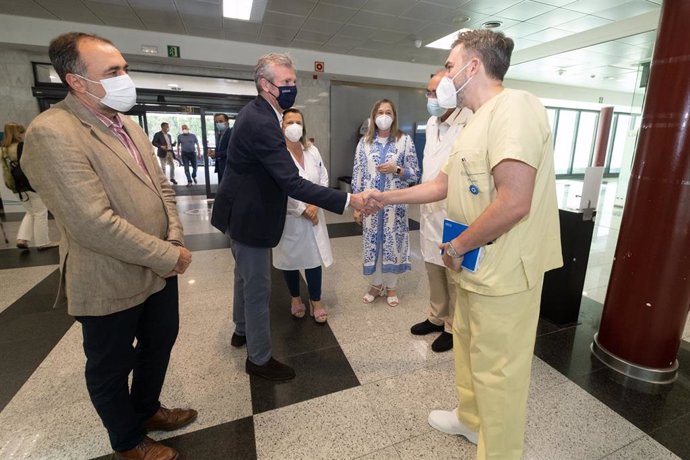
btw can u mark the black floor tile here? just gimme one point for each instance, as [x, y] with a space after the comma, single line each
[568, 349]
[344, 229]
[292, 336]
[310, 348]
[51, 324]
[23, 258]
[319, 373]
[11, 217]
[646, 406]
[193, 190]
[544, 326]
[18, 361]
[206, 241]
[186, 206]
[29, 329]
[39, 299]
[10, 383]
[289, 335]
[674, 436]
[231, 440]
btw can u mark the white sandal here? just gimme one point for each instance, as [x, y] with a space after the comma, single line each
[378, 292]
[392, 300]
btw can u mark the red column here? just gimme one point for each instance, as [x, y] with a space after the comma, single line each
[649, 291]
[603, 132]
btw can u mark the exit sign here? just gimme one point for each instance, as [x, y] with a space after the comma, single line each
[173, 51]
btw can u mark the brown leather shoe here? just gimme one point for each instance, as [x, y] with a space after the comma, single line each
[170, 419]
[148, 449]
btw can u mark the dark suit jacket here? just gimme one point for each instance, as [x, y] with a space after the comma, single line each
[223, 142]
[222, 150]
[251, 202]
[159, 142]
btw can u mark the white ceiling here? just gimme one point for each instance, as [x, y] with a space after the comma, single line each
[388, 28]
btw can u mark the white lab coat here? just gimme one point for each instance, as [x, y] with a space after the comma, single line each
[440, 138]
[304, 245]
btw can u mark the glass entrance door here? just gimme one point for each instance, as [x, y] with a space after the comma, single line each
[189, 171]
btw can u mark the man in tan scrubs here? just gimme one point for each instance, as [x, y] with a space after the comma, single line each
[499, 180]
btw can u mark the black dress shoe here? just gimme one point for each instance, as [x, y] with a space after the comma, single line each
[425, 327]
[272, 370]
[238, 340]
[443, 342]
[173, 181]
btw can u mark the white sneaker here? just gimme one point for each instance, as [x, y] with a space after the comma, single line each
[448, 422]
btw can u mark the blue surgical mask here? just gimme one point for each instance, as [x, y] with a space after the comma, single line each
[220, 126]
[433, 108]
[286, 95]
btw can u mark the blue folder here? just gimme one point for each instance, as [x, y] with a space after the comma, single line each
[451, 230]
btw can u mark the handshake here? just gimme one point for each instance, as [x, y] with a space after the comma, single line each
[368, 201]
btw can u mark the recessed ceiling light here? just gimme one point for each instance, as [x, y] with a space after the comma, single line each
[237, 9]
[444, 43]
[460, 19]
[492, 24]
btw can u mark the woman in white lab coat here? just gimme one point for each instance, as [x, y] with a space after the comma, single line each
[304, 244]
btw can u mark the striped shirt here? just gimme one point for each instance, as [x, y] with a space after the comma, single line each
[116, 126]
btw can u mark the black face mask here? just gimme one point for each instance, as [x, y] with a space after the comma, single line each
[286, 95]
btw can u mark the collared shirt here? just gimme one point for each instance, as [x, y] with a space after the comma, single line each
[440, 137]
[115, 125]
[511, 125]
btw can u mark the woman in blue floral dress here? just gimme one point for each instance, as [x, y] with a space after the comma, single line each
[385, 160]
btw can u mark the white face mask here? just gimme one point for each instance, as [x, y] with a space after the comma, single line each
[433, 108]
[384, 122]
[293, 132]
[120, 92]
[446, 92]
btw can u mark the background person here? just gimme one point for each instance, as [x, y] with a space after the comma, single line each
[188, 144]
[164, 149]
[385, 159]
[304, 244]
[223, 133]
[442, 129]
[34, 226]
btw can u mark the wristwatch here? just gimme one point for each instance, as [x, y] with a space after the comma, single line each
[450, 250]
[398, 171]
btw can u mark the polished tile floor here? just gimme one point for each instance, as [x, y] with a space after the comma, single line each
[364, 384]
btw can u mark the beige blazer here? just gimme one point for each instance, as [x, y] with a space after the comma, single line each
[116, 222]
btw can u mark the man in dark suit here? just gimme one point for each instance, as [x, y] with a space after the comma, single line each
[251, 203]
[223, 132]
[163, 142]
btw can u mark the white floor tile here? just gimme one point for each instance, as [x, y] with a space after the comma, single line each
[340, 425]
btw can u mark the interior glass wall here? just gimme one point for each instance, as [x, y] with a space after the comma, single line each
[574, 133]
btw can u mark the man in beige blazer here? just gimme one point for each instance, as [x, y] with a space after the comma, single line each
[122, 243]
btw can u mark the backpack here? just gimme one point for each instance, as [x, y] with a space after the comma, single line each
[18, 178]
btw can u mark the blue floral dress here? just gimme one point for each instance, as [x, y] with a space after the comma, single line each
[386, 233]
